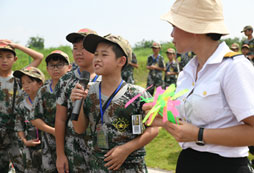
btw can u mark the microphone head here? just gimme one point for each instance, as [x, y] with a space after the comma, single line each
[85, 75]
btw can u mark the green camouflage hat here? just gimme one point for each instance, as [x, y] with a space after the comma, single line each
[235, 46]
[92, 40]
[30, 71]
[58, 53]
[156, 45]
[246, 46]
[82, 33]
[7, 47]
[246, 28]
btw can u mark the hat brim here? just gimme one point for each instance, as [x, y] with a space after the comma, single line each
[54, 55]
[19, 74]
[72, 37]
[5, 49]
[195, 26]
[91, 42]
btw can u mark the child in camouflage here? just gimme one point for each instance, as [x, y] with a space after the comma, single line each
[44, 108]
[118, 133]
[31, 80]
[9, 149]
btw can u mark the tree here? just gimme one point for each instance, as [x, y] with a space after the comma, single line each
[36, 42]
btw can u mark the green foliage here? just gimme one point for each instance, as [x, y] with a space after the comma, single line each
[36, 42]
[144, 44]
[230, 41]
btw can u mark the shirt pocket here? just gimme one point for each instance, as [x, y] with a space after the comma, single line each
[204, 103]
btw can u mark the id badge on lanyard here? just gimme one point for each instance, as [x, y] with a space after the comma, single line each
[136, 124]
[102, 137]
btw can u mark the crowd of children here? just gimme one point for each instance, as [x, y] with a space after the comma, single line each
[36, 132]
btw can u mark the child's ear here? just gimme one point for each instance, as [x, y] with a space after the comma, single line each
[69, 67]
[15, 58]
[122, 61]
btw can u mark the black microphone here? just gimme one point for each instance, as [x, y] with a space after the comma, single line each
[84, 79]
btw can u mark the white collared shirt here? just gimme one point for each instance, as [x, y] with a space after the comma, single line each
[222, 96]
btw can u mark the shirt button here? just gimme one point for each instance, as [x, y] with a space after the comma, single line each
[204, 93]
[193, 83]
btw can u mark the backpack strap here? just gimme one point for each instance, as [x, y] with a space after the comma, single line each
[15, 87]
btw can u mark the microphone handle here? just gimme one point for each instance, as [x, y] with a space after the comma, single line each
[76, 110]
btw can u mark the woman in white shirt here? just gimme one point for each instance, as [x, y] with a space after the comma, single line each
[217, 122]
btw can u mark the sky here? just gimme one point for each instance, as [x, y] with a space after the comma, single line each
[134, 20]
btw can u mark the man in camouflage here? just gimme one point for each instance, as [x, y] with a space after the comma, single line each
[248, 31]
[127, 72]
[72, 149]
[172, 68]
[183, 59]
[155, 65]
[9, 148]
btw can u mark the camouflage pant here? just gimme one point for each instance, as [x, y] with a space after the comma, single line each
[168, 81]
[77, 152]
[48, 154]
[155, 80]
[136, 165]
[10, 151]
[32, 159]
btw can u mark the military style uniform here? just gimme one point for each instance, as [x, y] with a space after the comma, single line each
[155, 76]
[184, 59]
[44, 108]
[117, 127]
[9, 149]
[31, 155]
[127, 72]
[171, 79]
[77, 146]
[251, 45]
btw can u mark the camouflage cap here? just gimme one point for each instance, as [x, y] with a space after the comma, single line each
[235, 46]
[171, 50]
[156, 45]
[82, 33]
[58, 53]
[30, 71]
[7, 47]
[246, 28]
[92, 40]
[245, 45]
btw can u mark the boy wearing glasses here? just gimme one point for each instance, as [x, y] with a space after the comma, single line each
[44, 108]
[155, 65]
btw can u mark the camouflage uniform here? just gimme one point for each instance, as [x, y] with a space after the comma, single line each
[251, 45]
[32, 155]
[77, 146]
[184, 59]
[127, 72]
[44, 108]
[9, 148]
[155, 76]
[171, 79]
[117, 126]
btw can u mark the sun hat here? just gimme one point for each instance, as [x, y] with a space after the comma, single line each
[197, 16]
[171, 50]
[246, 28]
[156, 45]
[30, 71]
[92, 40]
[82, 33]
[4, 46]
[58, 53]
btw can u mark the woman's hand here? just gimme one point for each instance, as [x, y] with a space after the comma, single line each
[182, 132]
[78, 92]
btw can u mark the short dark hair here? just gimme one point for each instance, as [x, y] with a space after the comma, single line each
[214, 36]
[56, 58]
[117, 50]
[78, 39]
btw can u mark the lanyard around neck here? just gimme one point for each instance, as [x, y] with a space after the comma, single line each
[108, 101]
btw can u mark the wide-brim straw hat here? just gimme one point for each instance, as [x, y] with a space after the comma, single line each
[197, 16]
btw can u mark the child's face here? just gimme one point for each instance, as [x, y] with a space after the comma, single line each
[245, 50]
[30, 86]
[7, 60]
[56, 69]
[82, 57]
[156, 50]
[105, 61]
[170, 56]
